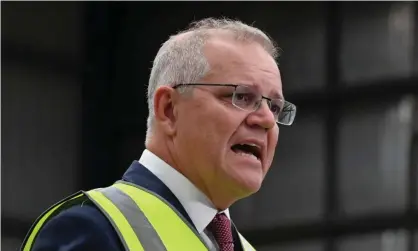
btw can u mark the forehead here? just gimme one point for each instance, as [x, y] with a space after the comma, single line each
[243, 63]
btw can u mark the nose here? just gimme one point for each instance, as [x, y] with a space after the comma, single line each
[262, 117]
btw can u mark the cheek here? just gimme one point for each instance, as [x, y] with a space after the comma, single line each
[207, 126]
[218, 127]
[273, 137]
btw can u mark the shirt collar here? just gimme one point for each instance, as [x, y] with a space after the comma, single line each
[197, 205]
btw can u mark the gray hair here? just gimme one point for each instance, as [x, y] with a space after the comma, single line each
[181, 59]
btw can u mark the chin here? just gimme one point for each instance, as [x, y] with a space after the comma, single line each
[248, 185]
[253, 187]
[244, 179]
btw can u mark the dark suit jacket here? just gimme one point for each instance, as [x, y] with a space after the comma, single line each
[86, 228]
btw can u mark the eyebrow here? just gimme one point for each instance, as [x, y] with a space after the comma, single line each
[275, 94]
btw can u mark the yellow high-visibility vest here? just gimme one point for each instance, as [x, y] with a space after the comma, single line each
[142, 219]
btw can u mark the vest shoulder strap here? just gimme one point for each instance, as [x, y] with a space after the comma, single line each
[133, 228]
[151, 220]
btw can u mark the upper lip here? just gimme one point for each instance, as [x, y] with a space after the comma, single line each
[254, 142]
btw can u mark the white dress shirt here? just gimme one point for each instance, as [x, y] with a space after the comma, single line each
[199, 208]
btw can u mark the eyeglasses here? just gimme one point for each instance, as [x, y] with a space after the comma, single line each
[249, 99]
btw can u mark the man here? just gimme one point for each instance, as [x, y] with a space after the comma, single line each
[215, 102]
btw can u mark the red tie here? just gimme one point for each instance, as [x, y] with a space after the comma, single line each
[221, 230]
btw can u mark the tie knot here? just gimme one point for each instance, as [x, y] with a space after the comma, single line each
[221, 230]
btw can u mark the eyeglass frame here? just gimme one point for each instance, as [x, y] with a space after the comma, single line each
[258, 102]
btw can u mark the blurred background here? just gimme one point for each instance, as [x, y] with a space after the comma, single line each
[74, 76]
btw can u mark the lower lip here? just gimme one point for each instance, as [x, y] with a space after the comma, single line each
[247, 158]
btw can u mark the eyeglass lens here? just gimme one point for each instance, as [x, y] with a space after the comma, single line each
[250, 99]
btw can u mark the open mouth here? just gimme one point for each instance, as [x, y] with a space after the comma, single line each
[248, 150]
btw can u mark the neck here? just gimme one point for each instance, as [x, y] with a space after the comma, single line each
[165, 150]
[161, 149]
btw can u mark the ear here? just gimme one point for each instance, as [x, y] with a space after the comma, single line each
[164, 108]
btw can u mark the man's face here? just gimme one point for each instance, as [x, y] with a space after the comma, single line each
[211, 131]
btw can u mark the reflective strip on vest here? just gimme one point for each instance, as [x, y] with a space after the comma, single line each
[118, 220]
[143, 229]
[149, 215]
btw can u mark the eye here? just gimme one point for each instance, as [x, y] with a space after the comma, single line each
[241, 97]
[275, 109]
[244, 97]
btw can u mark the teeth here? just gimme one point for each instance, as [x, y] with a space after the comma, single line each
[251, 144]
[247, 155]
